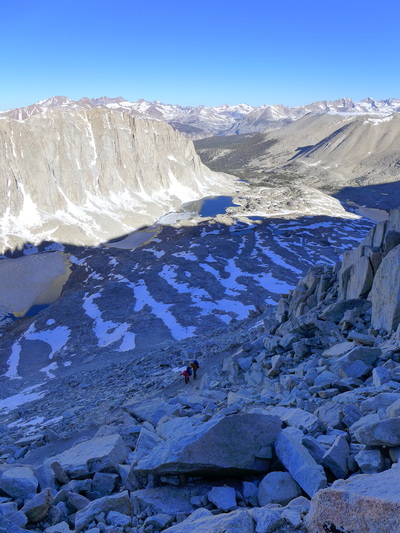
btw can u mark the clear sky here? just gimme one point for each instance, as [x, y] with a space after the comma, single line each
[208, 52]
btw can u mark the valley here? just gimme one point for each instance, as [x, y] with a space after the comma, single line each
[256, 260]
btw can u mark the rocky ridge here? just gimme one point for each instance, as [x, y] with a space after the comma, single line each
[199, 122]
[294, 428]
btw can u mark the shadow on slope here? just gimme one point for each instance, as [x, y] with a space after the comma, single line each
[380, 196]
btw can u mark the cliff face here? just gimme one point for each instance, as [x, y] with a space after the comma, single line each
[90, 175]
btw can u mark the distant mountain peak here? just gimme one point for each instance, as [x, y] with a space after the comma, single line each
[202, 121]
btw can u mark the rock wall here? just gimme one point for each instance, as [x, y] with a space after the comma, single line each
[85, 176]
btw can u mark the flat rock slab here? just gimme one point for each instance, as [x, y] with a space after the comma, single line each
[361, 504]
[102, 454]
[226, 445]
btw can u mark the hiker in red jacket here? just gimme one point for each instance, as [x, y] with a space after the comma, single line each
[186, 374]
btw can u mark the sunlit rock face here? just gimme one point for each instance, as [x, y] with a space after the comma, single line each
[83, 177]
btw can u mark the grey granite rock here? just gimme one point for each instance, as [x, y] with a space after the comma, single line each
[213, 447]
[224, 498]
[101, 454]
[299, 463]
[360, 504]
[119, 502]
[19, 482]
[37, 508]
[382, 433]
[277, 487]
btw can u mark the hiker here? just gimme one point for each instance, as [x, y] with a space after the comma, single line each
[186, 374]
[194, 365]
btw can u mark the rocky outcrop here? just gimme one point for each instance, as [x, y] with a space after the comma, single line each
[361, 504]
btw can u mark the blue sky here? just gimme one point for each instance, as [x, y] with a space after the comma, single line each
[199, 53]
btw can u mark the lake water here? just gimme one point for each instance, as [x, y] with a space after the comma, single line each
[209, 207]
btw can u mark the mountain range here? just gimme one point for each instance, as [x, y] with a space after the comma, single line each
[199, 122]
[352, 157]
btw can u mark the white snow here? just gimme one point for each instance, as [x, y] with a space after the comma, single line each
[25, 396]
[13, 362]
[161, 310]
[57, 338]
[107, 331]
[49, 369]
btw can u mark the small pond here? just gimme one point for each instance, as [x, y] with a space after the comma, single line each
[209, 207]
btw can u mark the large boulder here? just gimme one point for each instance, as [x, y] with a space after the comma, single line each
[382, 433]
[230, 444]
[360, 504]
[299, 463]
[19, 482]
[102, 454]
[385, 293]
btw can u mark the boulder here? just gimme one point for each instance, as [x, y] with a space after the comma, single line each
[299, 463]
[166, 499]
[46, 476]
[382, 433]
[277, 487]
[336, 458]
[267, 520]
[119, 502]
[151, 410]
[6, 526]
[224, 498]
[385, 293]
[158, 521]
[213, 447]
[147, 441]
[337, 350]
[102, 454]
[37, 508]
[380, 401]
[296, 417]
[104, 483]
[380, 376]
[202, 520]
[370, 461]
[250, 492]
[62, 527]
[361, 504]
[116, 519]
[19, 482]
[393, 409]
[336, 311]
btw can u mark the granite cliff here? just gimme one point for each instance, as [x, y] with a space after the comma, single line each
[86, 176]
